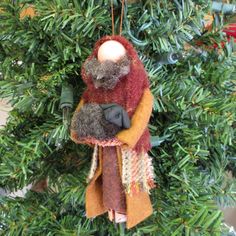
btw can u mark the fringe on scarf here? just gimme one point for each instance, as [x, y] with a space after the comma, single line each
[94, 164]
[137, 170]
[97, 143]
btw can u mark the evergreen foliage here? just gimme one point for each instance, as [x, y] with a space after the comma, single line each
[193, 122]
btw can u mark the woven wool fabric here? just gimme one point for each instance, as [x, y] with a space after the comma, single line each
[137, 173]
[113, 191]
[138, 204]
[127, 92]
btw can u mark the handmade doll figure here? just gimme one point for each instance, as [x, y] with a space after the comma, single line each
[113, 115]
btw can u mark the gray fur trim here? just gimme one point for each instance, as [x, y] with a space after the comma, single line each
[107, 74]
[90, 122]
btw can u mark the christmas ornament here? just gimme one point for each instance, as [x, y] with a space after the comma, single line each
[113, 115]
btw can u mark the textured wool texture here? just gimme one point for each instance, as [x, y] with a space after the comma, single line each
[139, 121]
[107, 74]
[90, 122]
[113, 191]
[136, 172]
[139, 206]
[127, 93]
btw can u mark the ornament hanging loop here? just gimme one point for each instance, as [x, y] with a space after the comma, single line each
[122, 16]
[113, 18]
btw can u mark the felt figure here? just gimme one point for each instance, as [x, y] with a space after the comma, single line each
[113, 115]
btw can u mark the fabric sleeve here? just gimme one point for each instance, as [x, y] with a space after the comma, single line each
[139, 120]
[73, 134]
[81, 103]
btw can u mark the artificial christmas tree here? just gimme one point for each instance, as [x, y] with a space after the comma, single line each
[192, 125]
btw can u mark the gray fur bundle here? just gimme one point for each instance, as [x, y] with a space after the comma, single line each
[107, 74]
[90, 122]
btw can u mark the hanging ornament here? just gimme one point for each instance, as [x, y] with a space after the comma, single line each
[113, 116]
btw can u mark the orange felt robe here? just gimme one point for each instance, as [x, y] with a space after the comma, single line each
[138, 204]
